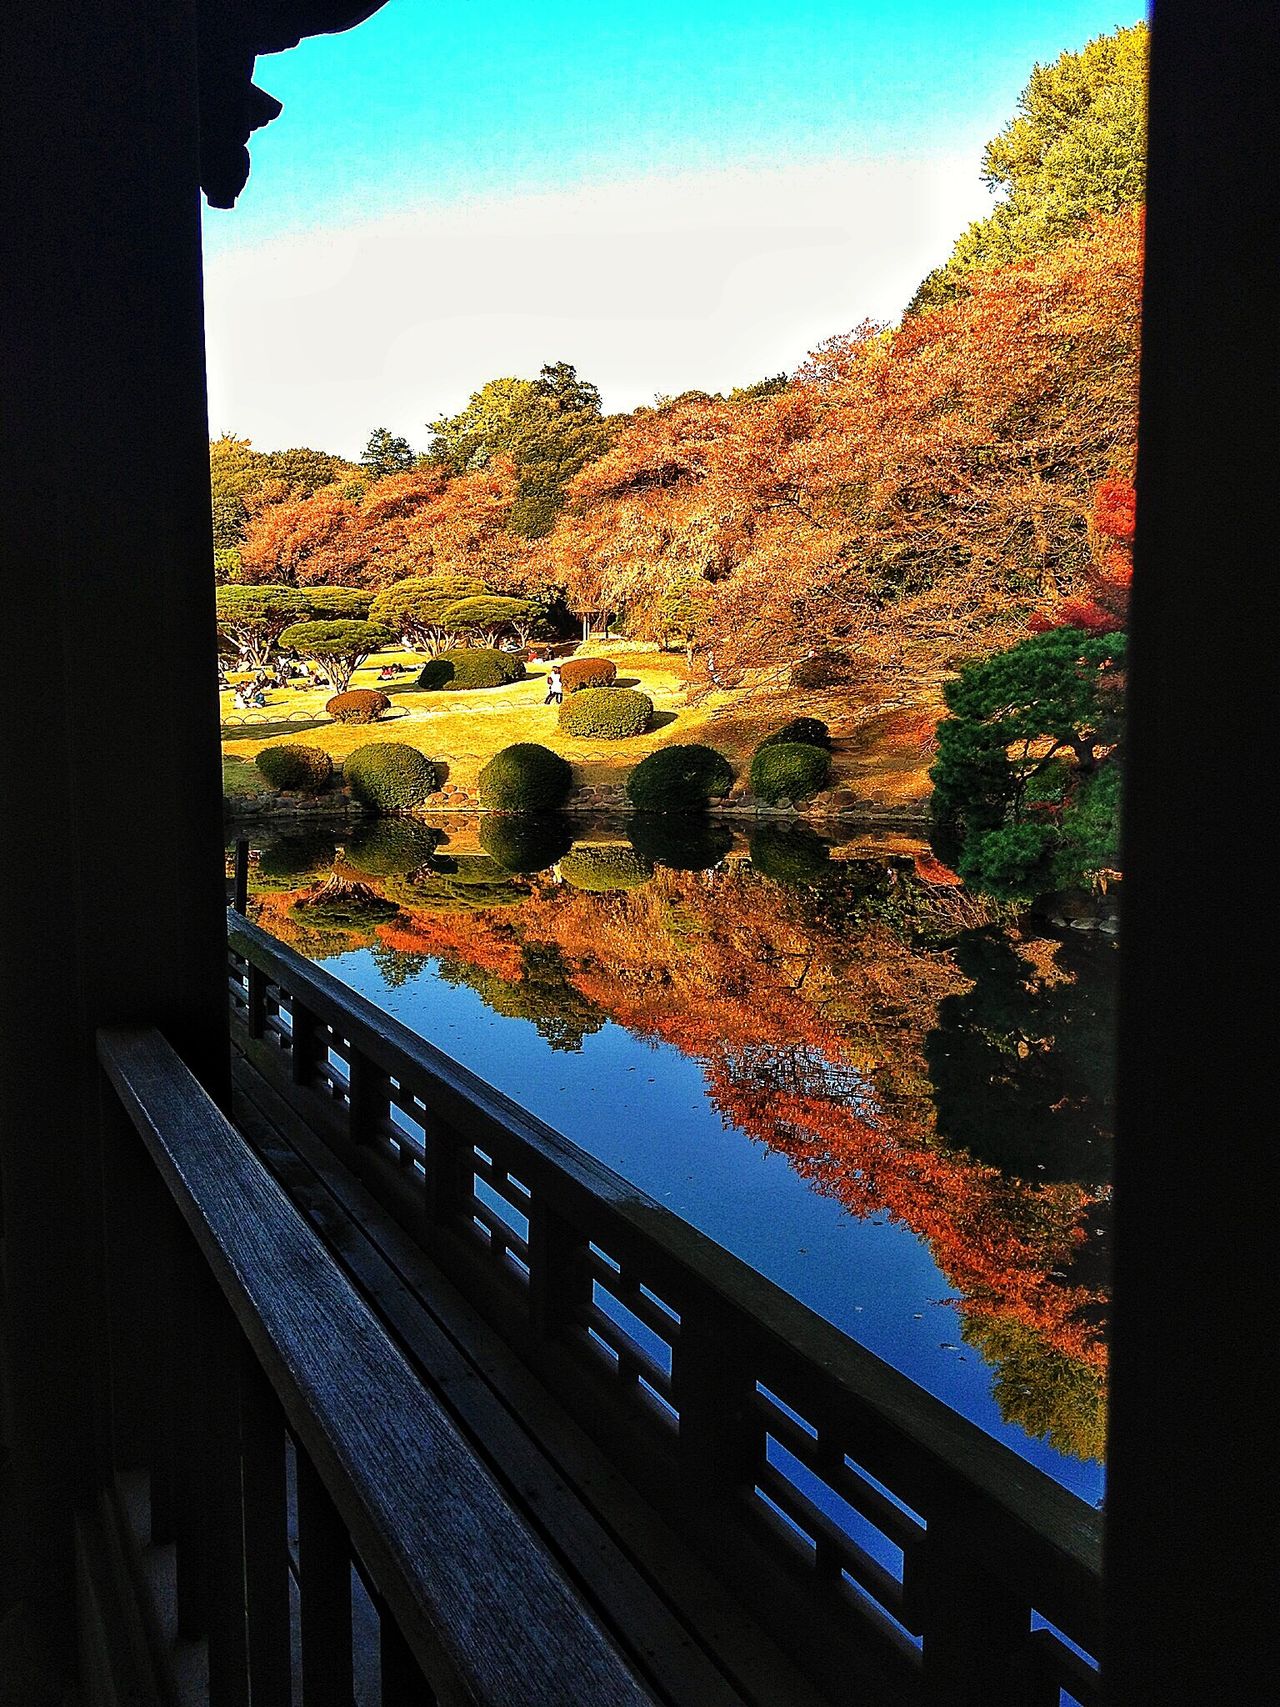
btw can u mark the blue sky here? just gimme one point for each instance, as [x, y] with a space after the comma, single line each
[807, 160]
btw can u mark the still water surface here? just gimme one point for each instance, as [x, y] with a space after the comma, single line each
[888, 1096]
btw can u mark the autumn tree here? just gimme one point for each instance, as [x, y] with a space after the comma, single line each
[337, 648]
[420, 522]
[1075, 147]
[252, 619]
[238, 475]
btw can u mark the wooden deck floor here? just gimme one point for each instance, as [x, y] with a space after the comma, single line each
[691, 1642]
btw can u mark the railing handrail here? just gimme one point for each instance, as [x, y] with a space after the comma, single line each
[1042, 1513]
[486, 1614]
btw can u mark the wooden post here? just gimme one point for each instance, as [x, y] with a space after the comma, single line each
[113, 901]
[1191, 1449]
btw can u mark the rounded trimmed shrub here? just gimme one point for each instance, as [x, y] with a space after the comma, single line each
[389, 776]
[789, 771]
[391, 847]
[357, 705]
[824, 669]
[525, 777]
[789, 853]
[598, 869]
[525, 844]
[577, 673]
[679, 778]
[606, 714]
[806, 731]
[681, 844]
[286, 861]
[295, 766]
[470, 667]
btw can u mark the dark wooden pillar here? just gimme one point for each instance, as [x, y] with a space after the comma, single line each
[112, 890]
[1193, 1424]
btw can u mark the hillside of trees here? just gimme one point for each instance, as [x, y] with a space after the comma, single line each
[911, 499]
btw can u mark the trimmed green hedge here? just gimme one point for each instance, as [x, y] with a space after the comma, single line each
[606, 714]
[357, 705]
[789, 771]
[805, 731]
[789, 853]
[599, 869]
[294, 765]
[693, 843]
[470, 667]
[390, 847]
[529, 843]
[525, 777]
[389, 776]
[579, 673]
[679, 778]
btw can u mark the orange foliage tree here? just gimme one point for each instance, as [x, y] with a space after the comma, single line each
[422, 521]
[916, 485]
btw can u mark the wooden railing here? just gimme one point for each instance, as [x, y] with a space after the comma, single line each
[883, 1541]
[330, 1527]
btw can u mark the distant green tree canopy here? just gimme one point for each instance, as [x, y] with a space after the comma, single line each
[386, 453]
[1076, 146]
[550, 428]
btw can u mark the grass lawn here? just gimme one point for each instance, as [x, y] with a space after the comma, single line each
[464, 729]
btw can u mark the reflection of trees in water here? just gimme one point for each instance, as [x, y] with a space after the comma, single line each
[1022, 1063]
[876, 1029]
[1047, 1394]
[542, 995]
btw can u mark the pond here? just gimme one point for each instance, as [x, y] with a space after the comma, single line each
[889, 1096]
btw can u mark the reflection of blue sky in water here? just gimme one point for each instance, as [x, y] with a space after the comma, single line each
[642, 1108]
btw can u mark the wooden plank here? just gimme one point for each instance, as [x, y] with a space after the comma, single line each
[485, 1613]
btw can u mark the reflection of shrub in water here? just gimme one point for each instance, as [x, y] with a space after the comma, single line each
[789, 853]
[526, 844]
[681, 843]
[457, 883]
[345, 904]
[598, 868]
[288, 860]
[1022, 1070]
[390, 847]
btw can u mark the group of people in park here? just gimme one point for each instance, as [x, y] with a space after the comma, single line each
[288, 673]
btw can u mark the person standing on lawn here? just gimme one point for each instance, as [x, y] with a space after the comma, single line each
[554, 690]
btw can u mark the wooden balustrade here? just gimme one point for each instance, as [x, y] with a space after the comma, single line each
[332, 1528]
[881, 1540]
